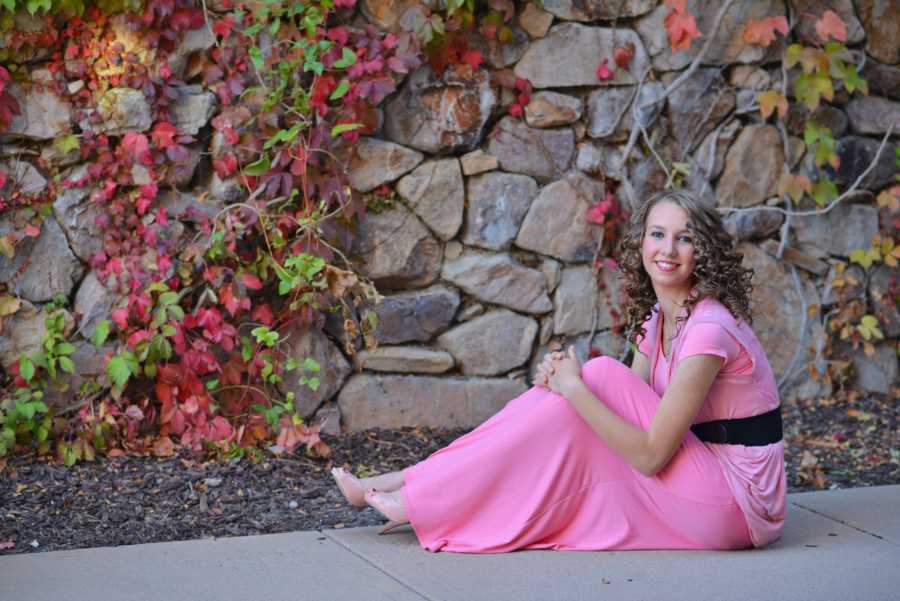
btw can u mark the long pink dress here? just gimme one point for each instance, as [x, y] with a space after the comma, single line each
[536, 476]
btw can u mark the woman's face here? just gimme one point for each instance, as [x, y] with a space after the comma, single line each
[667, 250]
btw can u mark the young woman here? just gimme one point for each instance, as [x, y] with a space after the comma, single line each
[681, 451]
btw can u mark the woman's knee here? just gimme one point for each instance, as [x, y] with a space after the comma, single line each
[599, 366]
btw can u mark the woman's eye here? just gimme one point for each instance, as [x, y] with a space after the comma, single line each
[687, 239]
[656, 234]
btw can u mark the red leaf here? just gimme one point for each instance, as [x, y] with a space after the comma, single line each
[831, 25]
[7, 544]
[135, 145]
[142, 204]
[225, 165]
[164, 134]
[762, 32]
[250, 281]
[603, 72]
[623, 55]
[516, 110]
[223, 26]
[120, 317]
[184, 19]
[228, 300]
[138, 337]
[472, 58]
[263, 314]
[163, 447]
[681, 27]
[32, 231]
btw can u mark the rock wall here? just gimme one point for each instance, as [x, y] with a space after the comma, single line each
[484, 255]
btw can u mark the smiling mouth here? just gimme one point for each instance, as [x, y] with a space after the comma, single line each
[666, 266]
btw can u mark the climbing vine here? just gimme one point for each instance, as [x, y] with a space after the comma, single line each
[198, 351]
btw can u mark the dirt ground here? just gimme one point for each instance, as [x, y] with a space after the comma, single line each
[831, 443]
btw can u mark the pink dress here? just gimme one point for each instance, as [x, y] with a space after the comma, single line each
[536, 476]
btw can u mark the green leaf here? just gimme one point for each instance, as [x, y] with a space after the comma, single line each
[26, 368]
[118, 370]
[824, 191]
[313, 384]
[311, 364]
[66, 144]
[348, 58]
[168, 298]
[868, 327]
[342, 127]
[67, 365]
[69, 456]
[340, 91]
[853, 82]
[284, 135]
[258, 167]
[257, 58]
[27, 410]
[9, 5]
[64, 348]
[101, 332]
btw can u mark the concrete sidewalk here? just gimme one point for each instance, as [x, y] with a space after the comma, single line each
[838, 545]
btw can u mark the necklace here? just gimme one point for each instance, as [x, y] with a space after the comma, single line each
[667, 338]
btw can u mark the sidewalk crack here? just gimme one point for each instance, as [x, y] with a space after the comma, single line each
[849, 525]
[377, 567]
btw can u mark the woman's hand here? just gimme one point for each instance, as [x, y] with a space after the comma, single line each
[559, 372]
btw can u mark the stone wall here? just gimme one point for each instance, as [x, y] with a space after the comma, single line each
[484, 256]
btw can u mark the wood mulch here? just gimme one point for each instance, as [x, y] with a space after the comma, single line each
[831, 443]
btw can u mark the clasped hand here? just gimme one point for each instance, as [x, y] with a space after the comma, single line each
[559, 372]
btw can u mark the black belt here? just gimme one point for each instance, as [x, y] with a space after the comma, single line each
[754, 431]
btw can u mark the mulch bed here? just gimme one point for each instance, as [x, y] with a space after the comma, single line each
[831, 443]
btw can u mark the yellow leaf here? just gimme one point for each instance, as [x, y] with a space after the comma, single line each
[868, 349]
[889, 198]
[7, 247]
[769, 101]
[9, 305]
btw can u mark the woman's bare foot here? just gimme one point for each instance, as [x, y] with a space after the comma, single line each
[350, 486]
[389, 504]
[354, 488]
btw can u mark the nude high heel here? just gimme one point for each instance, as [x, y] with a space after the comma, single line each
[394, 513]
[349, 486]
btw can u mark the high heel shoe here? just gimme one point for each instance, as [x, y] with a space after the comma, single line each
[349, 486]
[394, 513]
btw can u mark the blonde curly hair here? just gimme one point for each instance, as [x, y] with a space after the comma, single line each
[717, 270]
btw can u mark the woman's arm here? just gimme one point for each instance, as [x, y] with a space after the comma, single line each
[650, 450]
[640, 365]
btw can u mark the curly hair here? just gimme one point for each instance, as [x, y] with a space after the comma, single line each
[717, 269]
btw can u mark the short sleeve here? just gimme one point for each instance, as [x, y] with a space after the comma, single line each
[709, 338]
